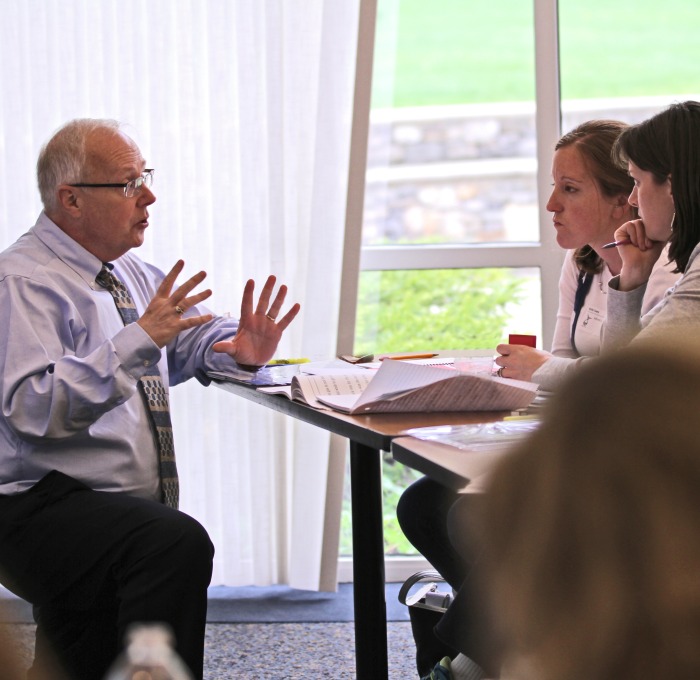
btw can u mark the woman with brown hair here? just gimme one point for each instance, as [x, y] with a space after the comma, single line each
[588, 203]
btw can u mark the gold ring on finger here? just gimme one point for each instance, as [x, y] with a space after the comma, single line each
[179, 310]
[272, 318]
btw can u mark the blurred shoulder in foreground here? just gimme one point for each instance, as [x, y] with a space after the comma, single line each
[591, 527]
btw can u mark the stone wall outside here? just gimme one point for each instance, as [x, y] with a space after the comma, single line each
[465, 174]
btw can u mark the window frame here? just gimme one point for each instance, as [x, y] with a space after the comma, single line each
[544, 254]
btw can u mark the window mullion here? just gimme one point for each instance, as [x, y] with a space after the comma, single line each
[356, 176]
[387, 258]
[548, 126]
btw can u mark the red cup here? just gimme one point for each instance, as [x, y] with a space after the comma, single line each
[519, 339]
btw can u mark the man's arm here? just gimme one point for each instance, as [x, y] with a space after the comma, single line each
[59, 376]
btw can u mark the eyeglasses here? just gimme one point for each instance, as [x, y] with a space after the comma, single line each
[131, 188]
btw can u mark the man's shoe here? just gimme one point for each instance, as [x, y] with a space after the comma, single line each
[442, 671]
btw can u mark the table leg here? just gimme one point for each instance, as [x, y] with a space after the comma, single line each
[371, 661]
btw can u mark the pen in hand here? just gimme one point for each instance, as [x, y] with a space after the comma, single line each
[615, 244]
[399, 357]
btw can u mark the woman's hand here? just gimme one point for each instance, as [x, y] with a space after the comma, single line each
[519, 361]
[638, 256]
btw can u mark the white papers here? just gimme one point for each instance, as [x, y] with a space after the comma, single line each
[479, 436]
[309, 388]
[407, 387]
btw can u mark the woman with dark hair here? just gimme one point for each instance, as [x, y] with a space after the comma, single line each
[663, 158]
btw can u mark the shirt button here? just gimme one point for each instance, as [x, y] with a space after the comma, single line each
[147, 363]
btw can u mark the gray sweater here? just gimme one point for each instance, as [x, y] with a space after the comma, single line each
[676, 313]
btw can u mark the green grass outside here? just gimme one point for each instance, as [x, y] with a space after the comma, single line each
[468, 51]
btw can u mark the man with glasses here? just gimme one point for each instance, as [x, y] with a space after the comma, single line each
[90, 341]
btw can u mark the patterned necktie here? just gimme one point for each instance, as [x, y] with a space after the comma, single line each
[153, 393]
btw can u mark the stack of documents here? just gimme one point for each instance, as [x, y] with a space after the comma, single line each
[395, 387]
[401, 387]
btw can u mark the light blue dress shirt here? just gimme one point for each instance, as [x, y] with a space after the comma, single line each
[69, 367]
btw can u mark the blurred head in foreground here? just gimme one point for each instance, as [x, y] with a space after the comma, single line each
[592, 526]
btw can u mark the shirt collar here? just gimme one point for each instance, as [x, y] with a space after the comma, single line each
[83, 262]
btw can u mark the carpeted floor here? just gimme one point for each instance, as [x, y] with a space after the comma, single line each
[272, 633]
[279, 651]
[256, 604]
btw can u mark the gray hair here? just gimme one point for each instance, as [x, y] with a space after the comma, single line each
[63, 158]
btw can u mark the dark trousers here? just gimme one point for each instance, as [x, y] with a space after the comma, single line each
[434, 519]
[92, 563]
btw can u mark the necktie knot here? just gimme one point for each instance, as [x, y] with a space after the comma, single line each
[106, 279]
[120, 293]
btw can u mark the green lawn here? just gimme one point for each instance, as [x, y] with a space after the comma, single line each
[464, 51]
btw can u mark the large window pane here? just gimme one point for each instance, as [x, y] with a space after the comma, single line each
[436, 309]
[627, 49]
[424, 309]
[451, 162]
[625, 61]
[452, 140]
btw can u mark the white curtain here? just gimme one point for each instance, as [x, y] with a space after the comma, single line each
[243, 108]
